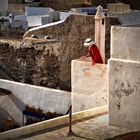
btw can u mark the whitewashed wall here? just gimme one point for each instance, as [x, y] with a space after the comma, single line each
[89, 85]
[22, 94]
[32, 11]
[124, 77]
[34, 21]
[64, 15]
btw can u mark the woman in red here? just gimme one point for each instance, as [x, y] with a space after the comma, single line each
[93, 51]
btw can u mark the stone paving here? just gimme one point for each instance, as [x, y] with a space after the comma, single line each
[88, 129]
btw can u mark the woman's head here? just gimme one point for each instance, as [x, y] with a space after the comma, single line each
[89, 42]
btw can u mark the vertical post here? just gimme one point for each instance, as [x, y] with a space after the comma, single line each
[100, 31]
[70, 121]
[23, 119]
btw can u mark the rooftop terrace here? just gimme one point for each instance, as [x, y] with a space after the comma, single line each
[92, 124]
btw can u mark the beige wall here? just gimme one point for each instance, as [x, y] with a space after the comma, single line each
[89, 85]
[118, 8]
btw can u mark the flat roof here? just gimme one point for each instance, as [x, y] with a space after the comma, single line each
[93, 128]
[92, 124]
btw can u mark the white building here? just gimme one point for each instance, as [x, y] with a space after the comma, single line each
[37, 16]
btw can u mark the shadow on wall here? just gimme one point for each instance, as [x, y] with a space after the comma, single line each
[4, 115]
[6, 120]
[18, 102]
[14, 107]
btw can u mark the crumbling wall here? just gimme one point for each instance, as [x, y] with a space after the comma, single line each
[30, 64]
[7, 32]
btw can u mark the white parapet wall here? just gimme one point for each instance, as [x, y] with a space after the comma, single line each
[49, 100]
[124, 78]
[89, 85]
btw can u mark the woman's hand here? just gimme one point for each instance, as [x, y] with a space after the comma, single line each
[82, 57]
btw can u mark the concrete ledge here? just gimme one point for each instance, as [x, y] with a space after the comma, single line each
[52, 123]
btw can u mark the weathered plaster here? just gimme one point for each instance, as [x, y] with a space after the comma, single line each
[125, 43]
[124, 89]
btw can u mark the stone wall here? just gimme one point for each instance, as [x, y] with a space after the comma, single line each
[124, 78]
[16, 8]
[70, 34]
[33, 65]
[7, 32]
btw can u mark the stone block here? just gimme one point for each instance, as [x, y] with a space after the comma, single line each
[89, 85]
[124, 93]
[125, 43]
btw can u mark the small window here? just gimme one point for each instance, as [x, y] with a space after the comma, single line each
[103, 21]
